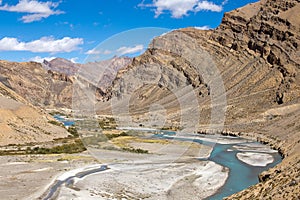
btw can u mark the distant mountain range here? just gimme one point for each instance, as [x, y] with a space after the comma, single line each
[25, 88]
[49, 84]
[62, 65]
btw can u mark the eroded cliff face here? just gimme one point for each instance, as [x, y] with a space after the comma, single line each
[269, 29]
[256, 52]
[50, 84]
[41, 87]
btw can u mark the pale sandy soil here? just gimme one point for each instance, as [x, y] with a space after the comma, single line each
[28, 176]
[169, 171]
[16, 118]
[193, 180]
[176, 148]
[255, 147]
[160, 151]
[255, 159]
[212, 138]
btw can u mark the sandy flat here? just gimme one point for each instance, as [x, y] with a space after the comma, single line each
[211, 138]
[255, 147]
[255, 159]
[159, 151]
[176, 148]
[193, 180]
[28, 176]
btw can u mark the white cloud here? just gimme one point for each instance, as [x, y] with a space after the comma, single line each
[130, 50]
[120, 51]
[180, 8]
[202, 27]
[44, 44]
[36, 10]
[206, 5]
[93, 52]
[96, 51]
[41, 59]
[74, 60]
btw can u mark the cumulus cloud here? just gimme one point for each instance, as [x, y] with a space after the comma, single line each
[180, 8]
[41, 59]
[130, 50]
[206, 5]
[74, 60]
[119, 52]
[35, 10]
[44, 44]
[202, 27]
[97, 51]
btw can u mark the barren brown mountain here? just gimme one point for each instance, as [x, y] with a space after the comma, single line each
[37, 85]
[256, 52]
[50, 84]
[62, 65]
[22, 123]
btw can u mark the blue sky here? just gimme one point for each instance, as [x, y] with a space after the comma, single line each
[72, 29]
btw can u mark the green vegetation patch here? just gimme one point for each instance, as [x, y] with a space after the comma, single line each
[94, 140]
[107, 123]
[98, 138]
[133, 150]
[73, 131]
[57, 113]
[75, 147]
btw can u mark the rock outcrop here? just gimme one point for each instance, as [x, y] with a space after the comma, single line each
[50, 84]
[256, 52]
[62, 66]
[40, 87]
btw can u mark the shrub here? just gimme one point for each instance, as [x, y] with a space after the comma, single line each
[75, 147]
[73, 131]
[135, 150]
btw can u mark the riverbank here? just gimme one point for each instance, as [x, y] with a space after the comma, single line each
[162, 176]
[176, 180]
[33, 174]
[181, 174]
[276, 181]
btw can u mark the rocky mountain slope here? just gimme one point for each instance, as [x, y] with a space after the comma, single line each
[25, 88]
[62, 66]
[37, 85]
[50, 84]
[247, 69]
[21, 123]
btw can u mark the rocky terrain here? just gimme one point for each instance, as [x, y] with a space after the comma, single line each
[41, 87]
[26, 89]
[50, 84]
[256, 54]
[21, 123]
[62, 66]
